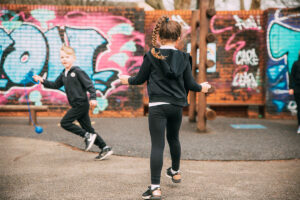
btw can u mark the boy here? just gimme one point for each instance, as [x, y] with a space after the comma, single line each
[77, 83]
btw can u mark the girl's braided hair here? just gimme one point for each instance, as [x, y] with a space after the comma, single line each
[168, 30]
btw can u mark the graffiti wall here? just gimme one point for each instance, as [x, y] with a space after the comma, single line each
[283, 45]
[107, 41]
[238, 52]
[253, 52]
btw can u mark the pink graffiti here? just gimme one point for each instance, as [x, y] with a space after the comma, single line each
[240, 68]
[100, 21]
[213, 30]
[239, 44]
[49, 96]
[229, 45]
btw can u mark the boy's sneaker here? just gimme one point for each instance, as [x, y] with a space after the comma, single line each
[104, 153]
[89, 140]
[176, 178]
[298, 131]
[152, 194]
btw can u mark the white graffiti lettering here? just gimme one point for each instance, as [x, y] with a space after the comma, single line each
[178, 19]
[246, 57]
[246, 24]
[292, 106]
[244, 80]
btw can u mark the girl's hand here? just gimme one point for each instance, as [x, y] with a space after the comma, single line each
[38, 78]
[291, 91]
[124, 79]
[93, 102]
[205, 87]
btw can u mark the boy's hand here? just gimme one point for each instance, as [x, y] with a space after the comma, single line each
[291, 91]
[93, 102]
[124, 79]
[205, 87]
[38, 78]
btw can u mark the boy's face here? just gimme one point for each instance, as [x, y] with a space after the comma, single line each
[66, 59]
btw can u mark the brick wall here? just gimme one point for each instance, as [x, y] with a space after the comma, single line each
[251, 68]
[108, 41]
[238, 74]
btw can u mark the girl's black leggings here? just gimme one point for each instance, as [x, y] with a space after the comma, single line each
[164, 118]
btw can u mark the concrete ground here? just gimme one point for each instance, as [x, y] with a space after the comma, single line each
[52, 165]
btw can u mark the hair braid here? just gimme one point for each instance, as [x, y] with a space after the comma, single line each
[155, 31]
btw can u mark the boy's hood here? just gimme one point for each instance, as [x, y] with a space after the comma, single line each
[174, 63]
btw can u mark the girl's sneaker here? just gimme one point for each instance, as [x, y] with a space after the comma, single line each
[152, 194]
[176, 178]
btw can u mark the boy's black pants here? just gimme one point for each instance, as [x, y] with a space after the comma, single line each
[160, 118]
[80, 112]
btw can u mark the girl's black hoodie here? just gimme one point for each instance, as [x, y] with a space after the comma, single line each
[169, 79]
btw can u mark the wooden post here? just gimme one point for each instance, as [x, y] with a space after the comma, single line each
[194, 47]
[204, 21]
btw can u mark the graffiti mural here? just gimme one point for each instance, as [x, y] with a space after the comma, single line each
[283, 45]
[237, 74]
[106, 44]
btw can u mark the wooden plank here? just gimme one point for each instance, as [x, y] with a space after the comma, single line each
[22, 108]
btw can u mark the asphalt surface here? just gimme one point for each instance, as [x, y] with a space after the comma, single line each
[32, 169]
[225, 163]
[130, 137]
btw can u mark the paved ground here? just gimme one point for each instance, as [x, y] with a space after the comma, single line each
[130, 137]
[53, 166]
[32, 169]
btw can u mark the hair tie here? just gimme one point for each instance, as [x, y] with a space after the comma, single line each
[167, 19]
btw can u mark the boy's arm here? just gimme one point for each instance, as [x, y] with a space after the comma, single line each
[143, 74]
[87, 83]
[58, 83]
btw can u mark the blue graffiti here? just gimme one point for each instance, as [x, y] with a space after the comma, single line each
[29, 53]
[103, 80]
[90, 40]
[36, 51]
[284, 41]
[54, 43]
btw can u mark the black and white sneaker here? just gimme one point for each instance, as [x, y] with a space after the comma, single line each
[176, 178]
[104, 153]
[152, 194]
[89, 140]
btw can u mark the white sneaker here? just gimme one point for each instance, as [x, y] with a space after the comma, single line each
[298, 131]
[89, 141]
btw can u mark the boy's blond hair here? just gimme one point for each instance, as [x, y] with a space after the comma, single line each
[68, 50]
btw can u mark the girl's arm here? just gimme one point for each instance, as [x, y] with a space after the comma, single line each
[141, 77]
[190, 82]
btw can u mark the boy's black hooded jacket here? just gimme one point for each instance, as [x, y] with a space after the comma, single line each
[168, 80]
[77, 83]
[295, 76]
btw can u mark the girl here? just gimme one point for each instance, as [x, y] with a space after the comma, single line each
[169, 78]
